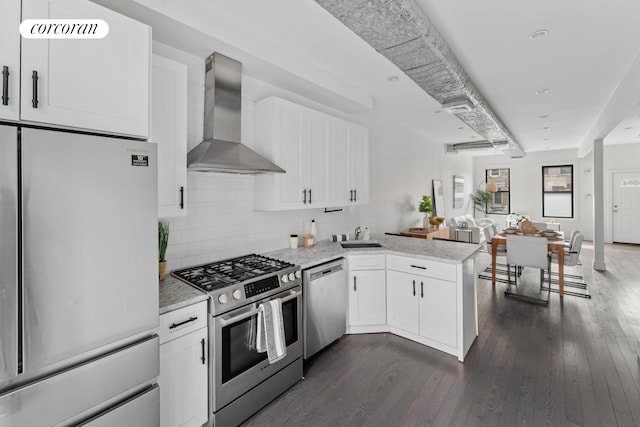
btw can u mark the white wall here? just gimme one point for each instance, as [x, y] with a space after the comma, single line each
[526, 184]
[402, 165]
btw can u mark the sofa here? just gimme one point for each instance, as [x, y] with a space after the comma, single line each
[475, 226]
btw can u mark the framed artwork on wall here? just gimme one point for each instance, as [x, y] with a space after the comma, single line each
[458, 191]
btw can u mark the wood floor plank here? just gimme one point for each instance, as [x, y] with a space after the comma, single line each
[572, 363]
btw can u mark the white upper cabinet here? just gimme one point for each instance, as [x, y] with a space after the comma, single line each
[295, 138]
[350, 162]
[10, 60]
[320, 168]
[95, 84]
[169, 131]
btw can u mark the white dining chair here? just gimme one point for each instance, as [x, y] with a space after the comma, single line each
[501, 250]
[572, 252]
[528, 251]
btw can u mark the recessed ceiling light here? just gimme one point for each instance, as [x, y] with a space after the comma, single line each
[546, 139]
[473, 136]
[461, 127]
[546, 128]
[542, 91]
[438, 111]
[538, 34]
[393, 79]
[628, 127]
[544, 116]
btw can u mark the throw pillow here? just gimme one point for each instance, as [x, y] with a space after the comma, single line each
[471, 222]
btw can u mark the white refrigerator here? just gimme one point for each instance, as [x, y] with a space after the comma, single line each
[78, 279]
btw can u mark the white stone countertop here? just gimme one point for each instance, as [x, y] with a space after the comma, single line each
[175, 294]
[435, 250]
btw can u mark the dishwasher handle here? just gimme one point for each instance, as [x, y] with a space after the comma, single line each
[325, 270]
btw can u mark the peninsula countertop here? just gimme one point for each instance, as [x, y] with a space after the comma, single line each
[175, 294]
[435, 250]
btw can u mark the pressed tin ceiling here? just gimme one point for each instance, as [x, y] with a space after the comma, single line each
[400, 30]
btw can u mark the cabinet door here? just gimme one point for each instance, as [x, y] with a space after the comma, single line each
[403, 300]
[10, 59]
[316, 158]
[342, 192]
[438, 311]
[169, 131]
[97, 84]
[359, 163]
[367, 298]
[183, 380]
[288, 139]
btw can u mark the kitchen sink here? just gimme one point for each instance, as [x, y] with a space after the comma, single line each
[353, 245]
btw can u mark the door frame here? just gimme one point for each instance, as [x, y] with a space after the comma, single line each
[608, 216]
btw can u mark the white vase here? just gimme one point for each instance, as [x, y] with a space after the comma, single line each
[425, 222]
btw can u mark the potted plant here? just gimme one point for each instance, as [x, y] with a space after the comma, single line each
[426, 207]
[480, 200]
[163, 240]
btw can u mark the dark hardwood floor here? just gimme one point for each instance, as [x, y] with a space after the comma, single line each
[573, 363]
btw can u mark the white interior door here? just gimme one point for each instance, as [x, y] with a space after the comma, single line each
[626, 207]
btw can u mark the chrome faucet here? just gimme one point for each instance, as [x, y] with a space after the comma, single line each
[357, 232]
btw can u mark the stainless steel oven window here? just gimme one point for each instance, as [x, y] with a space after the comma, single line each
[238, 341]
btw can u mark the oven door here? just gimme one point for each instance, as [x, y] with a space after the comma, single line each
[237, 367]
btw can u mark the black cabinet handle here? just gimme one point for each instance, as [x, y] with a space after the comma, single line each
[354, 283]
[418, 266]
[175, 325]
[414, 288]
[351, 195]
[5, 85]
[181, 197]
[421, 289]
[204, 360]
[309, 196]
[34, 80]
[355, 195]
[305, 196]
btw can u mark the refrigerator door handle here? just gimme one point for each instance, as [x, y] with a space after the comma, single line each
[34, 79]
[5, 85]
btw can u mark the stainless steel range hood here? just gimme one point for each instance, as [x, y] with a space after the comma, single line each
[221, 150]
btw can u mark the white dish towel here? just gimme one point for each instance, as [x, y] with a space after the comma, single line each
[271, 331]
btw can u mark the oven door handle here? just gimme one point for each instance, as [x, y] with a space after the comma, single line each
[227, 321]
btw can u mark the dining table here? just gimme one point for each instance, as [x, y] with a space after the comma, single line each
[556, 244]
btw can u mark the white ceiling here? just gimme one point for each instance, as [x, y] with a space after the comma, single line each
[589, 53]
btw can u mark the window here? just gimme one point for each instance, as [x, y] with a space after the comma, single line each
[557, 191]
[501, 198]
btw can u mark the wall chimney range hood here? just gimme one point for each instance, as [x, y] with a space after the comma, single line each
[221, 150]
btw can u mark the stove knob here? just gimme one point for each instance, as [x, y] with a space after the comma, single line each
[292, 276]
[284, 278]
[298, 274]
[237, 294]
[222, 299]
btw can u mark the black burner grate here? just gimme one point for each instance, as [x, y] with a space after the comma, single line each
[220, 274]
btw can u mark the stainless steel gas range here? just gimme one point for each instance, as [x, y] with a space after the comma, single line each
[241, 380]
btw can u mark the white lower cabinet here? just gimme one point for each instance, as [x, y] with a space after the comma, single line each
[367, 293]
[183, 366]
[403, 304]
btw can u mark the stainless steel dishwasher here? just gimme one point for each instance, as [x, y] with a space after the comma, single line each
[324, 296]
